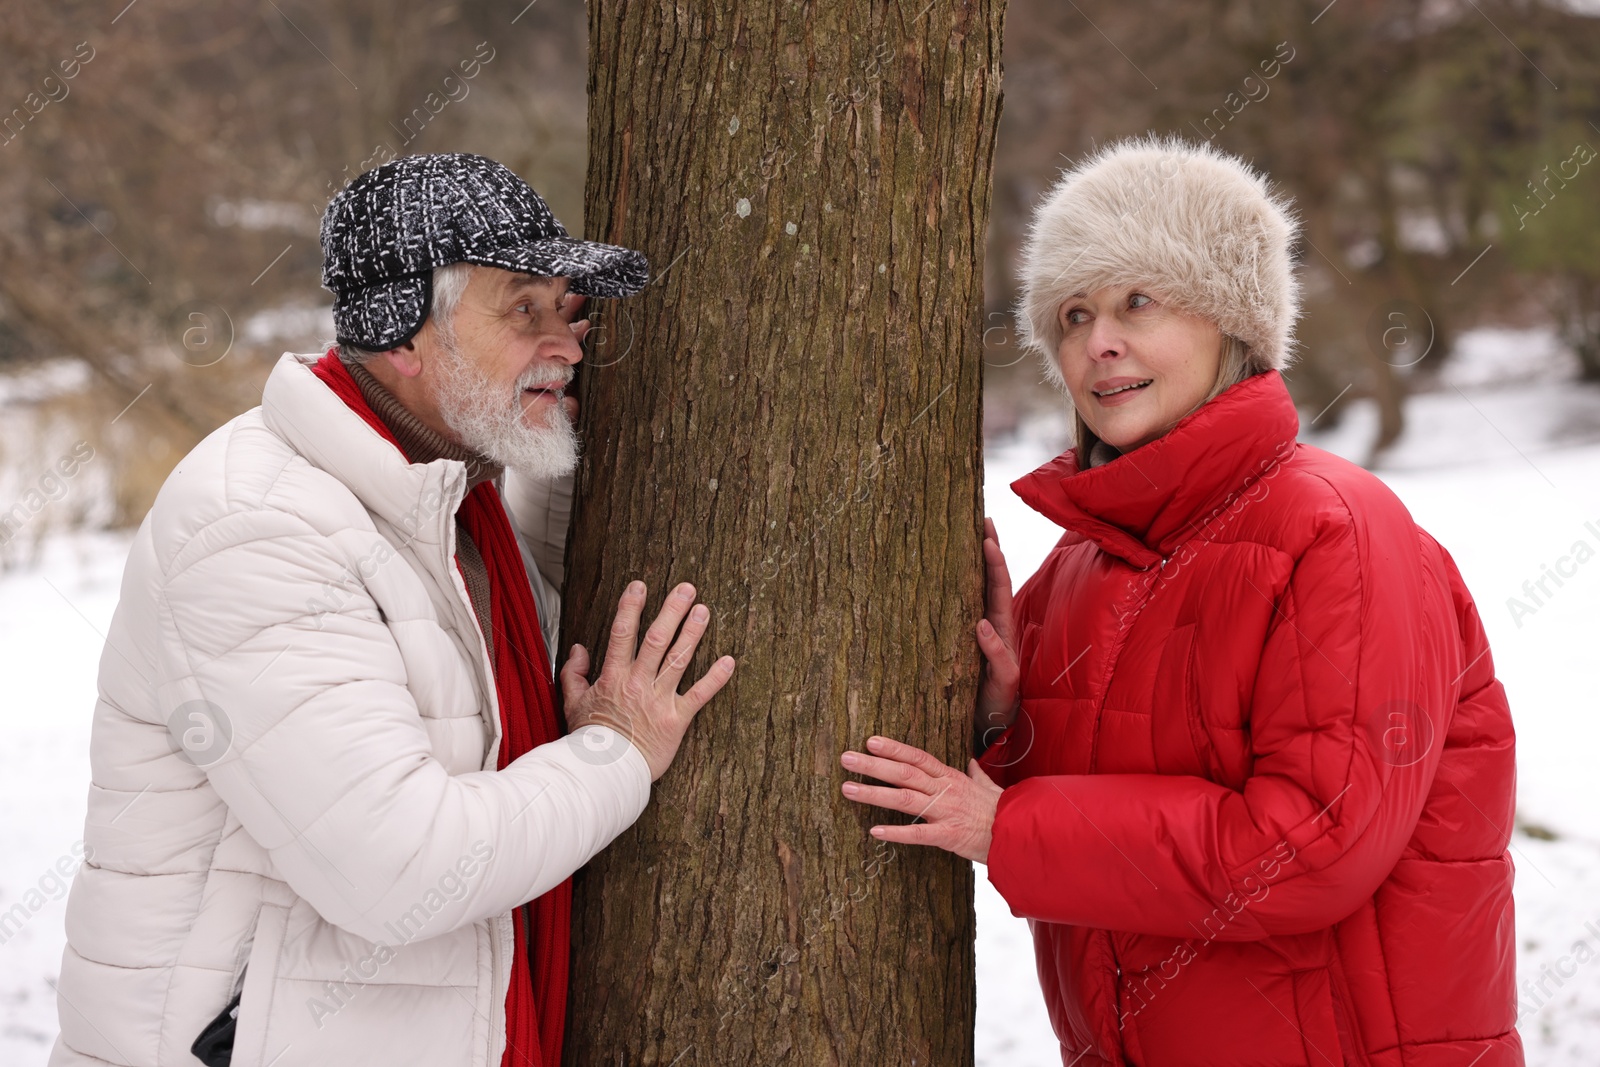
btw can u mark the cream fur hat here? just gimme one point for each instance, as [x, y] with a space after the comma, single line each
[1198, 226]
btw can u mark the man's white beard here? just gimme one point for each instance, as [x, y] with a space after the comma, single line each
[489, 420]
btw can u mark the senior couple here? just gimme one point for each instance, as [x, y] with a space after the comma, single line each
[1248, 771]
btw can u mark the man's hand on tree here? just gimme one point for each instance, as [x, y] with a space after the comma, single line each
[637, 691]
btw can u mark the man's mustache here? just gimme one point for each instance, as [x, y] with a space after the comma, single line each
[543, 379]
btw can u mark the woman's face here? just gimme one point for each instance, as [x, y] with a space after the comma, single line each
[1120, 336]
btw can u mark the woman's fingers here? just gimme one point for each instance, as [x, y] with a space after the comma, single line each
[889, 748]
[951, 810]
[997, 585]
[1002, 657]
[913, 833]
[1002, 676]
[899, 764]
[656, 639]
[909, 801]
[997, 589]
[999, 572]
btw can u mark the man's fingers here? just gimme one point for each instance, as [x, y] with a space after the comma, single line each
[624, 630]
[677, 660]
[989, 531]
[709, 685]
[976, 772]
[575, 675]
[660, 633]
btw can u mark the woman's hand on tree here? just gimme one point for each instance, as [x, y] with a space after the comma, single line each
[954, 811]
[1002, 674]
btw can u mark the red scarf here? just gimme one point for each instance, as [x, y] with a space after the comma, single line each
[535, 1003]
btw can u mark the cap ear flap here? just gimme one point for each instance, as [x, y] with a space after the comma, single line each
[386, 315]
[410, 331]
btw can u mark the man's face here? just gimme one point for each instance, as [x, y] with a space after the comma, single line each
[501, 367]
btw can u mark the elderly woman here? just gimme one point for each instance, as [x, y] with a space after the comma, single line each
[1256, 780]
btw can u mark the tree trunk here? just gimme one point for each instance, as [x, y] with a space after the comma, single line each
[790, 418]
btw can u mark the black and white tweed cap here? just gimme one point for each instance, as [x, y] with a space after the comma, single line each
[385, 232]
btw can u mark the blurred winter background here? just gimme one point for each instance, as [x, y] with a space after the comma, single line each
[163, 164]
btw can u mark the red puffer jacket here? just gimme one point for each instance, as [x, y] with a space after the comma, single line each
[1259, 796]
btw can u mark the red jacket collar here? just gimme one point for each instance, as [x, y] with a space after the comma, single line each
[1143, 504]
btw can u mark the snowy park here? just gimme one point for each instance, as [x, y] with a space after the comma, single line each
[957, 534]
[1502, 465]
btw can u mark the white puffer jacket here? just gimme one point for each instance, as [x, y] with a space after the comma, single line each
[293, 766]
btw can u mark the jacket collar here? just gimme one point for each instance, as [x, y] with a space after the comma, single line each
[1146, 502]
[419, 498]
[418, 441]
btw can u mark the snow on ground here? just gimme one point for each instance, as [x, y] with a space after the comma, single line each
[51, 621]
[1493, 473]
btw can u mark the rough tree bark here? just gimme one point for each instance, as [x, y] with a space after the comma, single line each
[790, 418]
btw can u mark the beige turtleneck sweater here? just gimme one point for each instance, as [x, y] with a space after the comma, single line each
[423, 445]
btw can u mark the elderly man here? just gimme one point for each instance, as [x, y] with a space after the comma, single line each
[334, 811]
